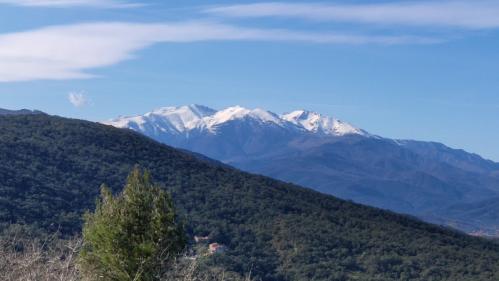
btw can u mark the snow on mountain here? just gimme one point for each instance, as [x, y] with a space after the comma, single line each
[184, 119]
[317, 123]
[238, 112]
[173, 120]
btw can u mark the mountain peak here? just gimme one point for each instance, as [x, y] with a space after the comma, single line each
[317, 123]
[183, 119]
[239, 112]
[193, 109]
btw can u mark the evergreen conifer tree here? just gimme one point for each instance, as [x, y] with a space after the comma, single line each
[132, 236]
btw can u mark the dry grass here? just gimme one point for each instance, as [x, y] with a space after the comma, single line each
[28, 260]
[55, 260]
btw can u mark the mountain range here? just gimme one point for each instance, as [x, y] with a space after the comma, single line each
[52, 168]
[427, 179]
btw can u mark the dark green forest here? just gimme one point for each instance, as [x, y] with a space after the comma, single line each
[51, 170]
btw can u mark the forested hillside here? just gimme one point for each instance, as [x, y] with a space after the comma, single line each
[51, 169]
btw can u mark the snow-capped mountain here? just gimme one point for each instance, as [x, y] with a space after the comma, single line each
[196, 118]
[170, 120]
[317, 123]
[421, 178]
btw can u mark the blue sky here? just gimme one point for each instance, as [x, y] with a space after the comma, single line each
[401, 69]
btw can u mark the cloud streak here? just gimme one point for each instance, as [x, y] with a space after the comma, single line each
[71, 3]
[69, 52]
[478, 14]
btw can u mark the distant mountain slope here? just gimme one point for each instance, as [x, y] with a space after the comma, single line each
[485, 213]
[332, 156]
[19, 112]
[52, 167]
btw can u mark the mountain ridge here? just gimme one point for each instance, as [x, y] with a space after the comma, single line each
[201, 117]
[334, 157]
[4, 111]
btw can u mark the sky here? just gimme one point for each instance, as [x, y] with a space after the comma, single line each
[424, 70]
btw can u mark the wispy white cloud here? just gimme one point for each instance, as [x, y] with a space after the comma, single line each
[68, 52]
[71, 3]
[78, 99]
[476, 14]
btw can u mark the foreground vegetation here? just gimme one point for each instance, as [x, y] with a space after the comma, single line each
[56, 260]
[23, 259]
[133, 236]
[52, 168]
